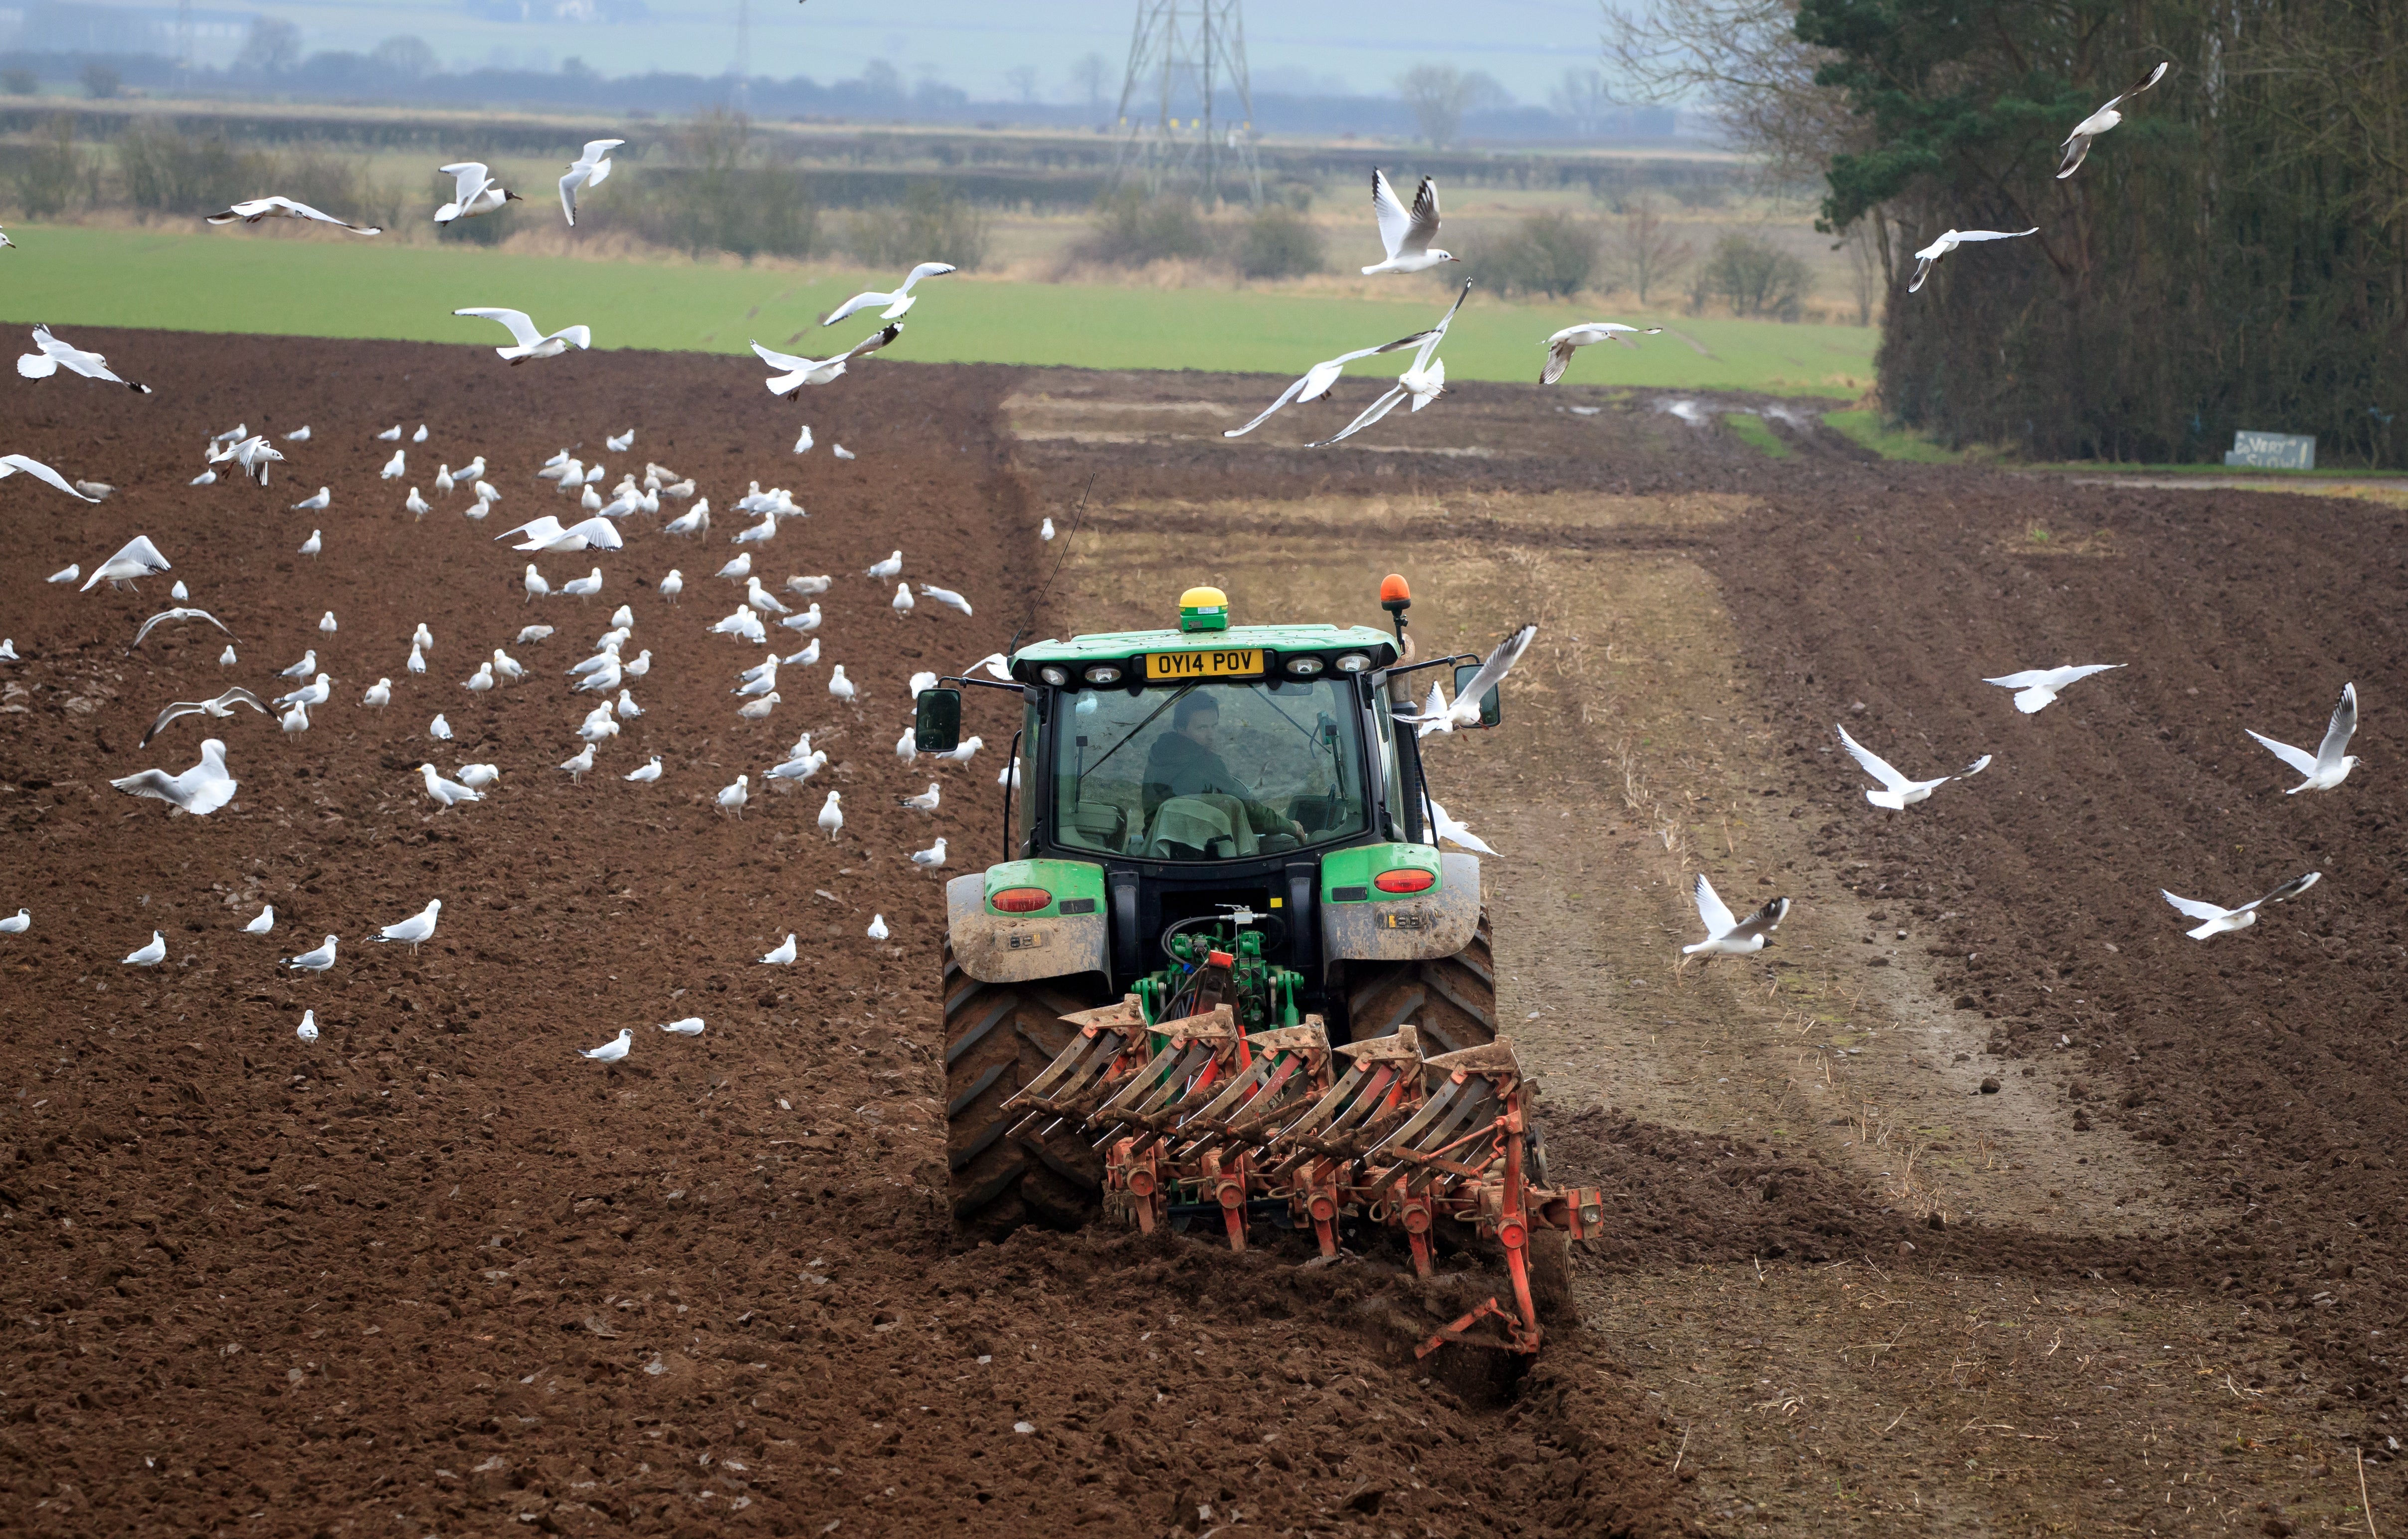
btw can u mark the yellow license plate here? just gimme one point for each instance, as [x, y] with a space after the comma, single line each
[1237, 662]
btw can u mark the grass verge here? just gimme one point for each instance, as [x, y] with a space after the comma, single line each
[1750, 430]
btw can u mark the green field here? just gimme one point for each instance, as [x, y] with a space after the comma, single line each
[271, 283]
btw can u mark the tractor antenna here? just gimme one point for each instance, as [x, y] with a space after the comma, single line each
[1077, 514]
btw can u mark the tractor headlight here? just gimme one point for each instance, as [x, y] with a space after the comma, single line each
[1053, 676]
[1103, 674]
[1304, 668]
[1353, 662]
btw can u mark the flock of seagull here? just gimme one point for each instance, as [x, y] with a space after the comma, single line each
[2036, 689]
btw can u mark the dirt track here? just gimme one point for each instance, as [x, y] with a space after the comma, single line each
[438, 1266]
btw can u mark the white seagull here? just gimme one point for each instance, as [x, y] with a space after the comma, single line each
[1727, 936]
[838, 685]
[612, 1050]
[175, 616]
[17, 923]
[316, 542]
[394, 468]
[2077, 143]
[690, 1026]
[379, 695]
[137, 558]
[904, 603]
[67, 573]
[2216, 921]
[320, 961]
[672, 585]
[1406, 233]
[732, 798]
[222, 706]
[414, 931]
[945, 597]
[648, 772]
[2037, 687]
[529, 342]
[478, 776]
[199, 791]
[2332, 761]
[1447, 828]
[1898, 792]
[578, 767]
[891, 566]
[307, 1030]
[1464, 711]
[474, 192]
[1425, 381]
[897, 303]
[263, 923]
[50, 355]
[11, 463]
[150, 955]
[317, 504]
[256, 209]
[783, 955]
[439, 729]
[446, 792]
[878, 930]
[798, 372]
[932, 858]
[1949, 241]
[1560, 346]
[831, 815]
[591, 168]
[927, 801]
[1315, 384]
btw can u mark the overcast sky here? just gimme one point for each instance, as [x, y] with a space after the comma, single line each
[1351, 45]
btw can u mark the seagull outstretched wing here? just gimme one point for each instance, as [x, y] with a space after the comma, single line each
[2192, 908]
[1395, 223]
[522, 327]
[11, 463]
[1710, 908]
[1319, 377]
[2297, 758]
[1875, 765]
[2338, 732]
[156, 621]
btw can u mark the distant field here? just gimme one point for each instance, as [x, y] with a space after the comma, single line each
[268, 284]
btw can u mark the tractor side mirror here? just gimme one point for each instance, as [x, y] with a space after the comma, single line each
[937, 721]
[1491, 710]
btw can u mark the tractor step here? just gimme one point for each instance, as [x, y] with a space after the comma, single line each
[1195, 1119]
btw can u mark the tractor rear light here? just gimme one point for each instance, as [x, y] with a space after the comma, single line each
[1304, 668]
[1353, 662]
[1055, 677]
[1022, 900]
[1103, 675]
[1407, 879]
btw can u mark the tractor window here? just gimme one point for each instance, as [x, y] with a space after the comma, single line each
[1208, 772]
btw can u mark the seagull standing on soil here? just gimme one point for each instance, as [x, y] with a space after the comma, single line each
[878, 930]
[591, 168]
[199, 791]
[932, 858]
[439, 729]
[2037, 687]
[798, 372]
[50, 355]
[320, 961]
[17, 923]
[1898, 792]
[2219, 921]
[578, 765]
[892, 567]
[1425, 381]
[927, 801]
[1727, 936]
[690, 1026]
[256, 209]
[2077, 143]
[446, 792]
[1561, 345]
[379, 695]
[831, 818]
[414, 931]
[612, 1050]
[1949, 241]
[307, 1030]
[732, 798]
[150, 955]
[316, 542]
[2332, 761]
[897, 303]
[528, 341]
[783, 954]
[317, 504]
[263, 923]
[1406, 233]
[838, 685]
[648, 772]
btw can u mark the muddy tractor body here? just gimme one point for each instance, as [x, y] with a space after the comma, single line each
[1225, 979]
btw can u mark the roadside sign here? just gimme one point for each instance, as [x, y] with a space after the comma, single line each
[2273, 450]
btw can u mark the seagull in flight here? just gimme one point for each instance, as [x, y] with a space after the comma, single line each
[2216, 921]
[50, 355]
[2036, 689]
[474, 192]
[1560, 346]
[1898, 792]
[2077, 143]
[1465, 712]
[1312, 386]
[1727, 936]
[11, 463]
[171, 615]
[199, 791]
[2332, 761]
[137, 558]
[1425, 381]
[590, 169]
[799, 372]
[1448, 829]
[260, 208]
[1406, 234]
[902, 299]
[531, 343]
[1949, 241]
[222, 706]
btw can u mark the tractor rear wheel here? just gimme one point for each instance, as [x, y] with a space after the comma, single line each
[1451, 1000]
[998, 1036]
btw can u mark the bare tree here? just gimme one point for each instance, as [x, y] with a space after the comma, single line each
[272, 46]
[1091, 73]
[1440, 96]
[1865, 274]
[1021, 78]
[1646, 251]
[1582, 99]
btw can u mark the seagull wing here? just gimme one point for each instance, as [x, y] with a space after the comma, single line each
[1394, 223]
[1559, 354]
[925, 269]
[1875, 765]
[1764, 920]
[2029, 679]
[1284, 398]
[2154, 77]
[1371, 414]
[1712, 909]
[2193, 908]
[158, 619]
[179, 708]
[1976, 767]
[2289, 890]
[152, 782]
[875, 340]
[1963, 236]
[1436, 334]
[786, 361]
[2297, 758]
[1923, 270]
[569, 186]
[11, 463]
[1492, 672]
[521, 328]
[240, 696]
[2337, 735]
[1327, 371]
[302, 210]
[2077, 147]
[469, 178]
[859, 302]
[581, 334]
[1425, 217]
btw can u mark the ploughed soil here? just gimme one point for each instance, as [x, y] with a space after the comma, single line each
[435, 1273]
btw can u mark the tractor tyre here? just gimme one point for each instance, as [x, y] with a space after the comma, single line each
[1453, 999]
[998, 1036]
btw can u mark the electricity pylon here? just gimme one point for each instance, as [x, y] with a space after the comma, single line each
[1186, 114]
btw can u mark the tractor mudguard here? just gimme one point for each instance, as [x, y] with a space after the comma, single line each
[1439, 922]
[1049, 942]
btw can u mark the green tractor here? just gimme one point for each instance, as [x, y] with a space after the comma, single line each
[1231, 811]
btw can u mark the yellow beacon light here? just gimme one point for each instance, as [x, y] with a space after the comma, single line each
[1203, 609]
